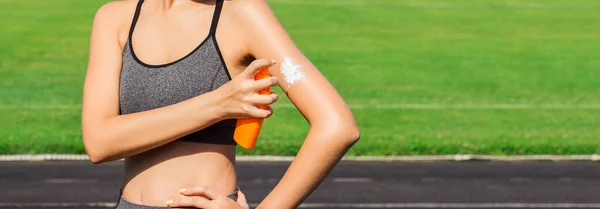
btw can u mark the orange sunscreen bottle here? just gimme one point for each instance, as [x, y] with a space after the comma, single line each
[247, 129]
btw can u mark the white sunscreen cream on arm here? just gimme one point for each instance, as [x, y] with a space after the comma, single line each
[291, 71]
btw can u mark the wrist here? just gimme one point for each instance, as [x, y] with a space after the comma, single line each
[210, 106]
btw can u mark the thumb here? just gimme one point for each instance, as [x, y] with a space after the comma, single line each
[241, 200]
[256, 65]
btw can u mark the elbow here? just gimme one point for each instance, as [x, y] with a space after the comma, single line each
[351, 135]
[95, 153]
[97, 158]
[95, 150]
[98, 140]
[345, 133]
[94, 159]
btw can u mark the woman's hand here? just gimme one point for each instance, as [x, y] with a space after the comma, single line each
[207, 198]
[240, 98]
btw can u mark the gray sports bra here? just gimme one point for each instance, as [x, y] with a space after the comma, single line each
[145, 86]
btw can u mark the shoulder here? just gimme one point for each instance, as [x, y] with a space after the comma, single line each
[253, 16]
[247, 3]
[249, 10]
[114, 18]
[115, 9]
[114, 13]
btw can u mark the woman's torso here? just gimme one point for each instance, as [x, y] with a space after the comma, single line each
[162, 41]
[154, 177]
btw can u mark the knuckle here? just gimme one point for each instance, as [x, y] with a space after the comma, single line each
[243, 85]
[245, 109]
[245, 99]
[257, 114]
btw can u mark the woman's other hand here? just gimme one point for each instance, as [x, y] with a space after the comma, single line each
[207, 198]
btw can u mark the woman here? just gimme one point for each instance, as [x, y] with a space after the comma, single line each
[167, 80]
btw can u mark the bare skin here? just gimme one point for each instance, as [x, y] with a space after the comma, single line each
[157, 167]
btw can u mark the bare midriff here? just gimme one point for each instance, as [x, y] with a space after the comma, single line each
[153, 177]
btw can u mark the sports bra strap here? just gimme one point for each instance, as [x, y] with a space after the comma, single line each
[215, 19]
[136, 16]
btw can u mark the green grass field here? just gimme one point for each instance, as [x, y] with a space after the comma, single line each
[426, 77]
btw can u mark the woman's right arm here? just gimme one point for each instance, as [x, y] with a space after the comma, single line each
[108, 136]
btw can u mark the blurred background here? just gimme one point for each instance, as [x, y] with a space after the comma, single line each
[423, 78]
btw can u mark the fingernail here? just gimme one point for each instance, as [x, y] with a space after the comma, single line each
[182, 190]
[169, 202]
[274, 61]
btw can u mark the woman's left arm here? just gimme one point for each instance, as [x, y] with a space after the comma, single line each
[333, 129]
